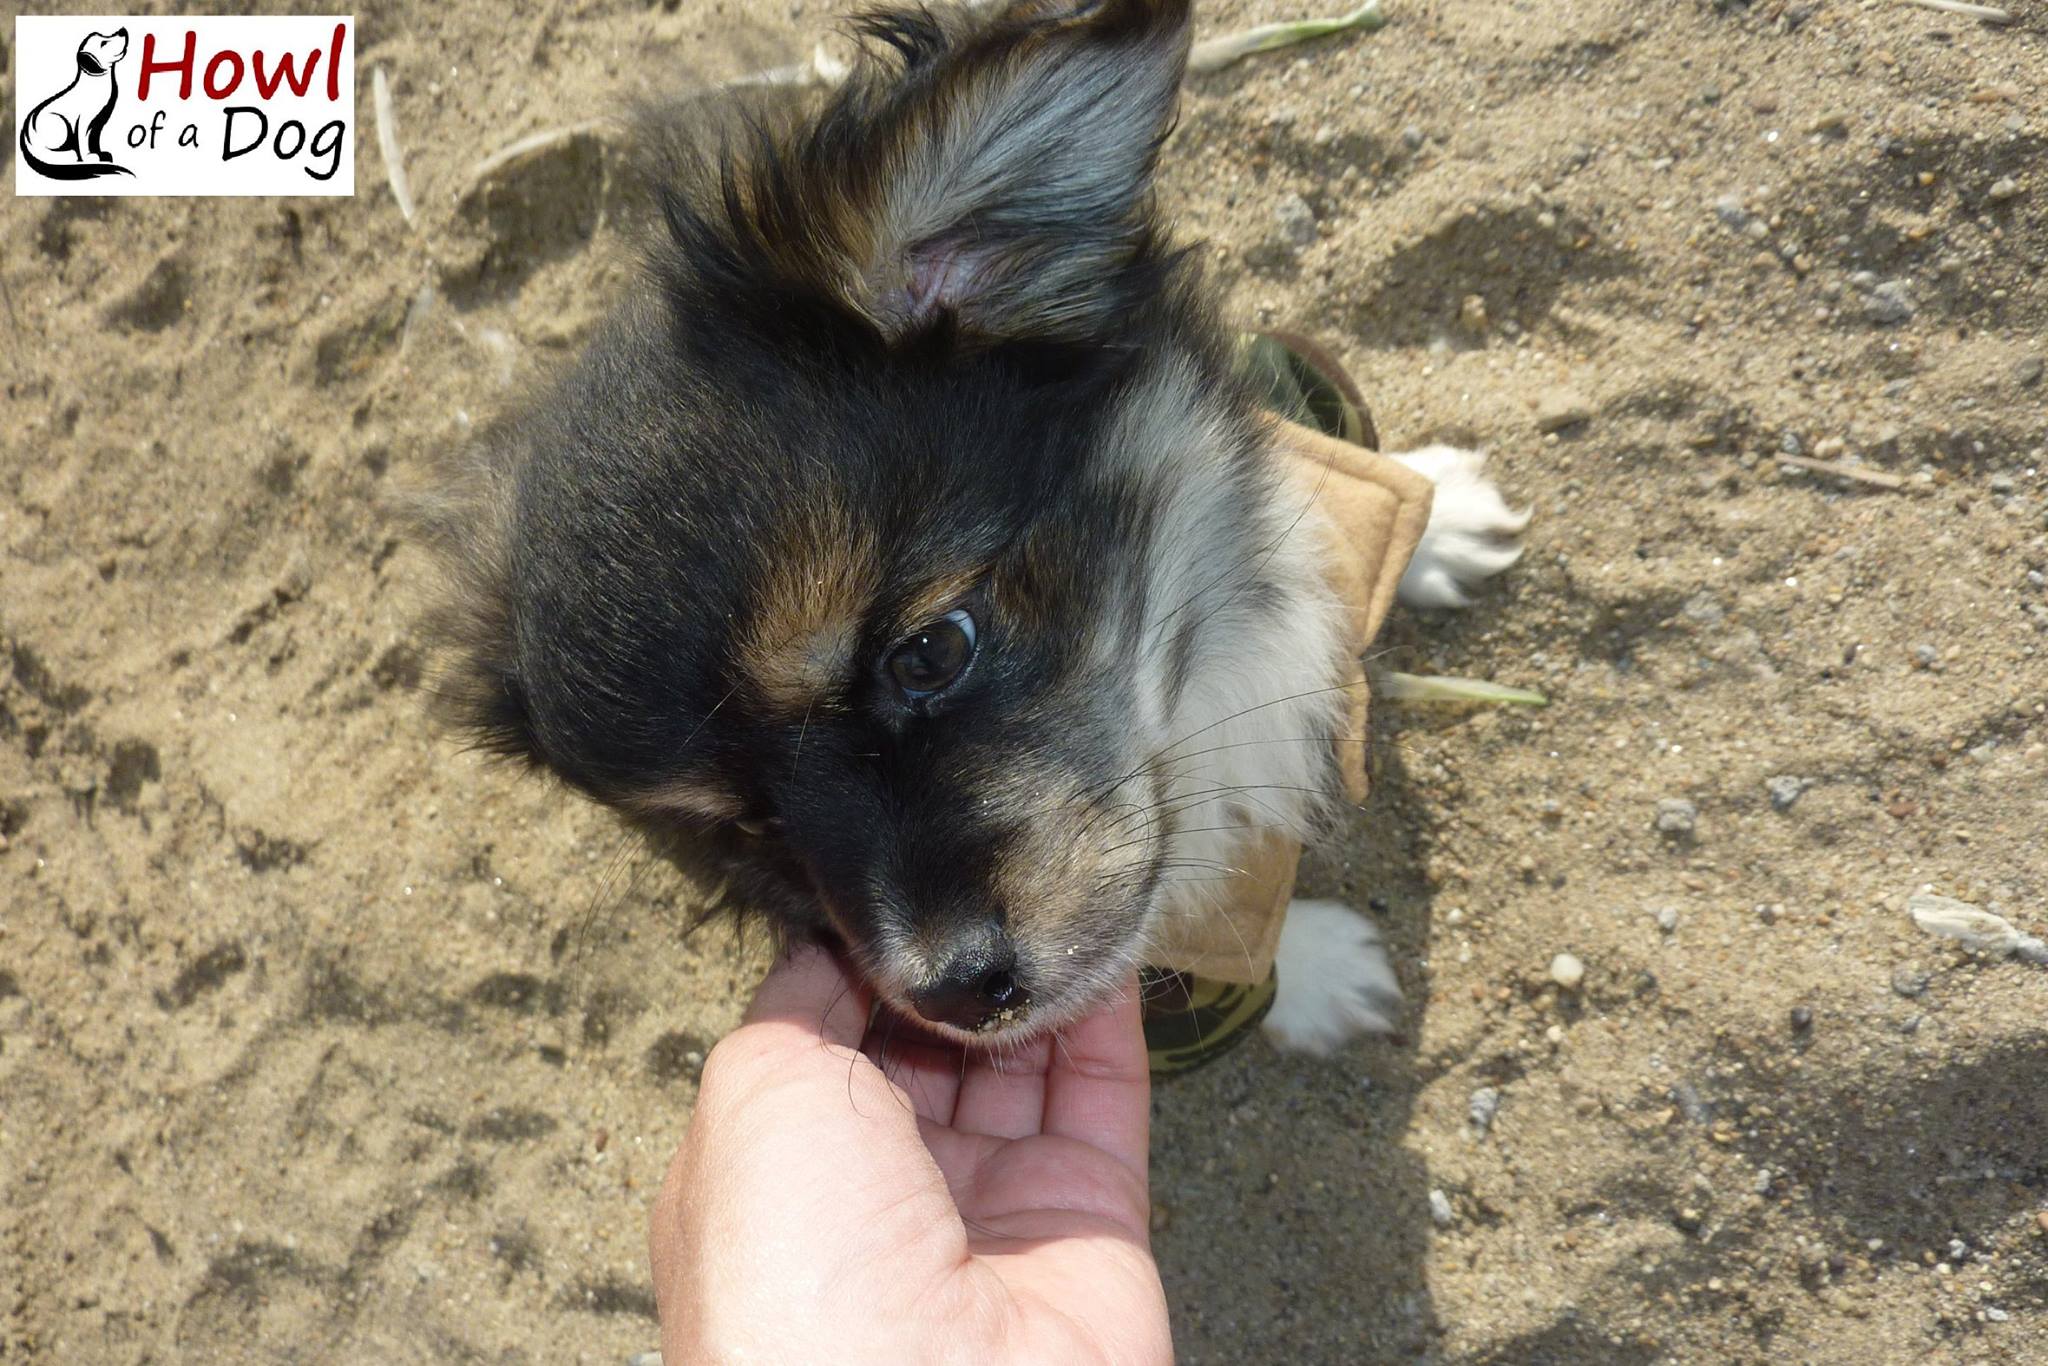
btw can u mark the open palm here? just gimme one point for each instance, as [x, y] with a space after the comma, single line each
[951, 1207]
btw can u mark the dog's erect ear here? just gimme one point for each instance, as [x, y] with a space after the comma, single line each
[991, 170]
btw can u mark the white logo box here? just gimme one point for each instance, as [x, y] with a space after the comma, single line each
[137, 105]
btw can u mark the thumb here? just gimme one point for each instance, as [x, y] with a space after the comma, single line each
[810, 995]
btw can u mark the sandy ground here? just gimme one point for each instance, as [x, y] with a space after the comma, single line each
[321, 1042]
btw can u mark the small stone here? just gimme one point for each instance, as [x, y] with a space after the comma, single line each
[2028, 372]
[1909, 981]
[1483, 1106]
[1472, 315]
[1785, 790]
[1567, 971]
[1559, 407]
[1790, 444]
[1926, 657]
[1802, 1019]
[1667, 918]
[2041, 1221]
[1689, 1220]
[1297, 220]
[1677, 816]
[1728, 208]
[2003, 189]
[1440, 1212]
[1412, 138]
[1161, 1217]
[1863, 281]
[2002, 484]
[1890, 303]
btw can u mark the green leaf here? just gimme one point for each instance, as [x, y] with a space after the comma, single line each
[1216, 53]
[1396, 687]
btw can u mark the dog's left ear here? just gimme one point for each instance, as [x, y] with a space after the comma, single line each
[996, 174]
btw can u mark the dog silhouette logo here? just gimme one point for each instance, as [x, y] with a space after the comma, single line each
[61, 136]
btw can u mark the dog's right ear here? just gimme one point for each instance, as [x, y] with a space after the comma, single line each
[990, 171]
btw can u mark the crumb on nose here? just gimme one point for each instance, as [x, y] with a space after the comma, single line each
[977, 989]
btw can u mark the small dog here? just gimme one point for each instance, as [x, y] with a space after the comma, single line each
[70, 121]
[906, 557]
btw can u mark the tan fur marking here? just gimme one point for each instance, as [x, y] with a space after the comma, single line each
[936, 599]
[1067, 852]
[690, 799]
[822, 572]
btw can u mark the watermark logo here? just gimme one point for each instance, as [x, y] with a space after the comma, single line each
[153, 106]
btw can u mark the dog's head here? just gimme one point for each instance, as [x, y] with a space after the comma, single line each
[100, 51]
[904, 553]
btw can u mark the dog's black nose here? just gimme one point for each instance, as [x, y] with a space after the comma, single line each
[974, 989]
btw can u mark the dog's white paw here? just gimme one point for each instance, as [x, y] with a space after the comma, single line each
[1472, 533]
[1335, 979]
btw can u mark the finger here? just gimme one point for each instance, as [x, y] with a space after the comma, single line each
[927, 1068]
[1098, 1088]
[810, 990]
[959, 1155]
[1003, 1093]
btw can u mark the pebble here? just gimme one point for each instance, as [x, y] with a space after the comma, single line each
[2028, 372]
[1677, 816]
[1890, 303]
[1926, 657]
[1559, 407]
[1440, 1211]
[2003, 189]
[1863, 281]
[1161, 1217]
[1567, 971]
[1472, 315]
[1728, 208]
[1484, 1105]
[1802, 1019]
[1412, 138]
[1786, 789]
[1667, 918]
[1297, 220]
[1909, 981]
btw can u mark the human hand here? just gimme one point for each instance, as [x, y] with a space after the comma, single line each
[822, 1210]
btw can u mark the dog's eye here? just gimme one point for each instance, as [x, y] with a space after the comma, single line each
[933, 659]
